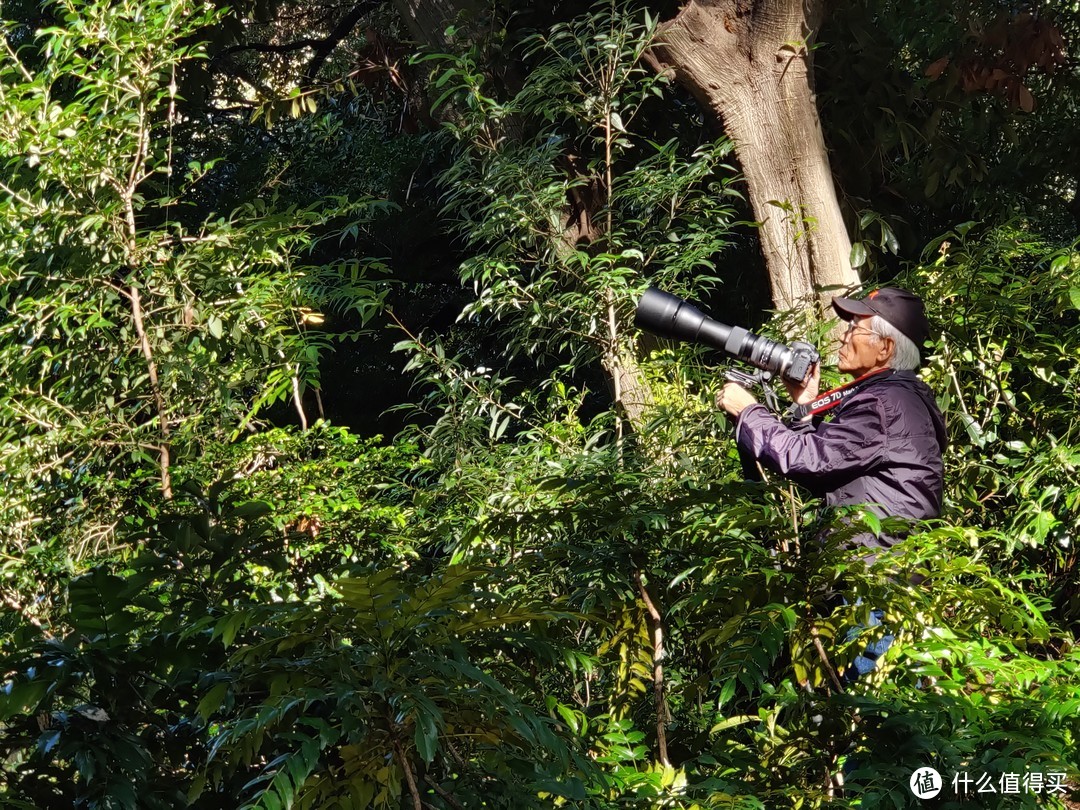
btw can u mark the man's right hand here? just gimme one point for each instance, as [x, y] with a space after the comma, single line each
[805, 392]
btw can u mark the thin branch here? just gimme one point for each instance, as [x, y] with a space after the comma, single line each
[446, 797]
[454, 755]
[172, 125]
[29, 415]
[409, 777]
[19, 608]
[298, 399]
[137, 165]
[344, 27]
[239, 72]
[269, 47]
[825, 659]
[52, 464]
[127, 195]
[322, 47]
[15, 58]
[39, 393]
[658, 670]
[155, 387]
[614, 367]
[21, 198]
[794, 521]
[467, 383]
[116, 288]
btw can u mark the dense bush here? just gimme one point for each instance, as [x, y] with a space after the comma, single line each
[523, 600]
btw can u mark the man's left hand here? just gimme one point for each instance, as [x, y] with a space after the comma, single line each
[734, 399]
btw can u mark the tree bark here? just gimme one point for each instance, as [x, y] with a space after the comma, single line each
[749, 64]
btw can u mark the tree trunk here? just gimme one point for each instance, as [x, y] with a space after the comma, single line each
[749, 64]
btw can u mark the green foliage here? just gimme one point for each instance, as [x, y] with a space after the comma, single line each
[134, 327]
[564, 196]
[518, 602]
[940, 112]
[211, 665]
[982, 677]
[1006, 368]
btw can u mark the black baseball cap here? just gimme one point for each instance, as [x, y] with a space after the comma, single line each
[902, 309]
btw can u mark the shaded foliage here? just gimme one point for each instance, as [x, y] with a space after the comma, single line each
[517, 602]
[944, 112]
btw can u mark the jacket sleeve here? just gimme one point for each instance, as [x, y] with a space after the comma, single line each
[851, 445]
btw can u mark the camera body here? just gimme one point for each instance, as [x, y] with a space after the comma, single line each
[668, 316]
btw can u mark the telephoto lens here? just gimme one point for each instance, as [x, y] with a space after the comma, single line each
[668, 316]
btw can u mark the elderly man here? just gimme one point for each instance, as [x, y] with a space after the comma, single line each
[876, 441]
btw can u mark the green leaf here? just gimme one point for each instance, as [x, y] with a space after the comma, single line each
[858, 254]
[250, 509]
[229, 627]
[569, 717]
[872, 521]
[572, 788]
[48, 740]
[426, 736]
[213, 699]
[892, 244]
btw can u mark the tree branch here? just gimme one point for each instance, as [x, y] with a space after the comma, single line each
[238, 71]
[414, 791]
[20, 608]
[326, 46]
[269, 47]
[658, 669]
[155, 387]
[825, 659]
[127, 197]
[446, 797]
[430, 353]
[322, 46]
[298, 399]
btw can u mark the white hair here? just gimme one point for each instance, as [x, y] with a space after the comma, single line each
[905, 355]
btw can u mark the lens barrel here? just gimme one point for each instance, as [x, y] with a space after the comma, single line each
[668, 316]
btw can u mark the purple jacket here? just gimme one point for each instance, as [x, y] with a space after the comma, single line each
[882, 448]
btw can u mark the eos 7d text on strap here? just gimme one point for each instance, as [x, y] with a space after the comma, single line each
[830, 399]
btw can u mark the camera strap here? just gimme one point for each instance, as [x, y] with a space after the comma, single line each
[830, 399]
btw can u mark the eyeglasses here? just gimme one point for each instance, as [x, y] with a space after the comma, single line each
[853, 328]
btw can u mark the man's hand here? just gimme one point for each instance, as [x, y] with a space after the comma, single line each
[734, 399]
[805, 392]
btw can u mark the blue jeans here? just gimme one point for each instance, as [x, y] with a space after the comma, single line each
[866, 661]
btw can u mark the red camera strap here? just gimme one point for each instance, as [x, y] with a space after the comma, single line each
[830, 399]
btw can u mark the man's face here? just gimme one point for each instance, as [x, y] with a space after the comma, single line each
[862, 350]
